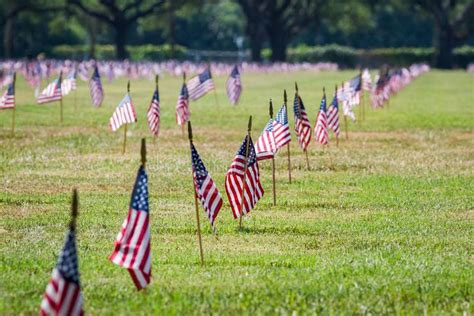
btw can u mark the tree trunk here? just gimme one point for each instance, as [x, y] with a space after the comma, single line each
[92, 29]
[255, 38]
[279, 44]
[443, 44]
[8, 38]
[121, 30]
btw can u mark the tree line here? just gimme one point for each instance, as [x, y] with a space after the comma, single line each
[31, 26]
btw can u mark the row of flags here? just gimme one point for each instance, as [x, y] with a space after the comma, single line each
[132, 246]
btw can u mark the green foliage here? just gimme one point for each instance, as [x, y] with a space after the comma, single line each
[137, 53]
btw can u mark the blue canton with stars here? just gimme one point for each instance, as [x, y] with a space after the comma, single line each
[199, 168]
[139, 200]
[67, 263]
[235, 72]
[334, 103]
[323, 104]
[298, 106]
[282, 117]
[252, 154]
[156, 96]
[269, 127]
[184, 91]
[205, 75]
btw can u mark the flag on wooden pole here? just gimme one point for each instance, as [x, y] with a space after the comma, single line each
[96, 90]
[302, 125]
[63, 294]
[153, 114]
[234, 86]
[321, 127]
[123, 114]
[333, 115]
[200, 84]
[242, 182]
[132, 245]
[182, 106]
[7, 100]
[51, 93]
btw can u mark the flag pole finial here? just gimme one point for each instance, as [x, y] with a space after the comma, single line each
[250, 124]
[285, 98]
[128, 86]
[324, 90]
[157, 77]
[271, 108]
[190, 132]
[74, 208]
[335, 88]
[143, 151]
[184, 76]
[296, 87]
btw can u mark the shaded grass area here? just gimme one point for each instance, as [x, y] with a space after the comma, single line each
[382, 224]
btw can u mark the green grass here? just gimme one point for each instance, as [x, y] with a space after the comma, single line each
[382, 224]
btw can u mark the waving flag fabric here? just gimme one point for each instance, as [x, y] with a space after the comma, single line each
[63, 293]
[366, 80]
[206, 189]
[265, 146]
[200, 85]
[123, 114]
[333, 115]
[7, 100]
[321, 129]
[234, 86]
[51, 93]
[302, 125]
[95, 86]
[69, 84]
[182, 106]
[153, 114]
[234, 180]
[132, 246]
[281, 128]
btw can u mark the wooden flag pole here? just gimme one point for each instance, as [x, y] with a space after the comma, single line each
[273, 159]
[14, 105]
[182, 125]
[241, 211]
[125, 127]
[337, 136]
[190, 137]
[74, 209]
[285, 99]
[360, 103]
[299, 110]
[61, 100]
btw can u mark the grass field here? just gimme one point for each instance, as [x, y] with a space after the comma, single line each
[383, 224]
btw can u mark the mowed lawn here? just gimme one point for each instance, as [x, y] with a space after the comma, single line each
[382, 224]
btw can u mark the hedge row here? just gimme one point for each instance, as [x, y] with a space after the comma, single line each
[344, 56]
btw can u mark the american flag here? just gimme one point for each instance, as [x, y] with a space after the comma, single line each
[281, 128]
[95, 86]
[302, 125]
[182, 106]
[206, 189]
[200, 85]
[132, 246]
[7, 100]
[234, 86]
[123, 114]
[153, 114]
[51, 93]
[63, 293]
[366, 80]
[354, 87]
[333, 115]
[265, 145]
[321, 129]
[234, 183]
[69, 84]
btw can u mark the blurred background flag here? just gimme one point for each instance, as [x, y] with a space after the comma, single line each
[234, 86]
[200, 84]
[153, 114]
[321, 129]
[7, 100]
[51, 93]
[182, 106]
[95, 86]
[123, 114]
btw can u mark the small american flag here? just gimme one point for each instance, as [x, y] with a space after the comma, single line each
[302, 125]
[132, 246]
[95, 86]
[234, 86]
[206, 189]
[265, 145]
[123, 114]
[63, 293]
[281, 128]
[234, 183]
[182, 106]
[354, 90]
[333, 115]
[69, 84]
[200, 85]
[51, 93]
[7, 100]
[321, 129]
[153, 114]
